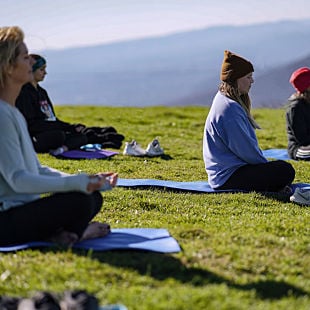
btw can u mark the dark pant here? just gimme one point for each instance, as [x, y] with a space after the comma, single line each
[43, 218]
[53, 139]
[272, 176]
[50, 140]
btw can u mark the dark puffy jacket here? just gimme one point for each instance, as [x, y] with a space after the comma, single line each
[297, 124]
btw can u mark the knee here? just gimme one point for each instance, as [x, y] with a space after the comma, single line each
[93, 202]
[288, 170]
[87, 205]
[97, 199]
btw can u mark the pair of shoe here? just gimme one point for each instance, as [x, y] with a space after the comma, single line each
[134, 149]
[77, 299]
[301, 196]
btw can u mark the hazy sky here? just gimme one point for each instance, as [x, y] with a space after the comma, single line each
[63, 23]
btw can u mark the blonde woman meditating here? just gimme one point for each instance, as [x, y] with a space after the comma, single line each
[64, 216]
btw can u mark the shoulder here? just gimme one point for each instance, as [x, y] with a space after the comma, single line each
[26, 91]
[5, 109]
[8, 114]
[225, 111]
[294, 101]
[27, 88]
[226, 101]
[41, 89]
[227, 106]
[297, 105]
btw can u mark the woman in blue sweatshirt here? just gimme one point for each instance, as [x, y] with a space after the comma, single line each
[65, 215]
[232, 157]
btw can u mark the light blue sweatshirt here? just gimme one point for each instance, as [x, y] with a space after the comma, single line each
[229, 141]
[22, 178]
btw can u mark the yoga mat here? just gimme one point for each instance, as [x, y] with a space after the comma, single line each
[194, 186]
[146, 239]
[80, 154]
[113, 307]
[276, 154]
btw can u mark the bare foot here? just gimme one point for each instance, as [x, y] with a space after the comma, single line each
[65, 238]
[96, 230]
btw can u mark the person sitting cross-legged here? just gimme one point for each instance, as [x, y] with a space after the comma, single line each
[39, 203]
[232, 157]
[298, 116]
[47, 131]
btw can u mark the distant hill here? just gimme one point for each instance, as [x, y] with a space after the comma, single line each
[272, 88]
[179, 69]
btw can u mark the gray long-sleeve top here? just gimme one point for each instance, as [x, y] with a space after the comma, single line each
[22, 178]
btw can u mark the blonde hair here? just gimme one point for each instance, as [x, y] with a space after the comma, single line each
[10, 40]
[231, 91]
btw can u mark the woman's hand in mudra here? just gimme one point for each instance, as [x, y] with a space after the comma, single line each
[97, 181]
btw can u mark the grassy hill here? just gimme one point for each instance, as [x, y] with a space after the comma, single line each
[239, 251]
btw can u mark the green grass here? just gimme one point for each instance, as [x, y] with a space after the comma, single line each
[239, 251]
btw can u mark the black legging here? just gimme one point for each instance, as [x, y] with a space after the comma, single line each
[43, 218]
[270, 177]
[50, 140]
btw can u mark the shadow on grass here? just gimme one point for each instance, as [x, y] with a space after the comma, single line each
[166, 157]
[161, 267]
[162, 156]
[269, 195]
[282, 197]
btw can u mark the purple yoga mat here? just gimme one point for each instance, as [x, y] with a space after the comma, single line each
[80, 154]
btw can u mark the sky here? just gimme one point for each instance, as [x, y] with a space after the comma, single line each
[58, 24]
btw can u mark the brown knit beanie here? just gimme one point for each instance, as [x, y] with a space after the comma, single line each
[234, 67]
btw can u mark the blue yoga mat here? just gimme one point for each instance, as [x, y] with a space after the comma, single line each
[276, 154]
[146, 239]
[194, 186]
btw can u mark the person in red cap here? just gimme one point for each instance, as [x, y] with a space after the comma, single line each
[298, 116]
[232, 157]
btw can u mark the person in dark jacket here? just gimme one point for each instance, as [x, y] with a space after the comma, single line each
[48, 132]
[298, 116]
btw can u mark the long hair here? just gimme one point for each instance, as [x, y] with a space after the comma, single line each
[10, 40]
[304, 95]
[231, 91]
